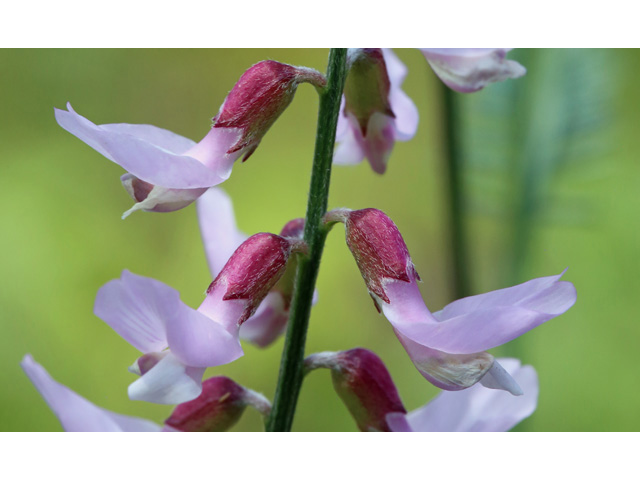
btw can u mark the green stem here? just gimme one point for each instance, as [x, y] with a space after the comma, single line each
[291, 366]
[453, 160]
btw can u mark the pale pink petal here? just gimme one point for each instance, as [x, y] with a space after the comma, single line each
[149, 162]
[77, 414]
[207, 337]
[470, 69]
[396, 70]
[172, 142]
[349, 150]
[406, 121]
[169, 382]
[220, 234]
[477, 408]
[498, 318]
[268, 323]
[136, 307]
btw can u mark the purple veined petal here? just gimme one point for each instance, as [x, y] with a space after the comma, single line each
[149, 162]
[396, 70]
[169, 382]
[268, 323]
[220, 234]
[207, 337]
[490, 321]
[77, 414]
[477, 409]
[468, 70]
[136, 308]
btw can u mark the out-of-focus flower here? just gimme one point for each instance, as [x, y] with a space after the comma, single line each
[363, 383]
[471, 69]
[151, 317]
[375, 111]
[476, 409]
[220, 237]
[219, 406]
[166, 171]
[217, 409]
[447, 347]
[77, 414]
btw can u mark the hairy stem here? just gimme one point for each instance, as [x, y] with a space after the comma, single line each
[291, 366]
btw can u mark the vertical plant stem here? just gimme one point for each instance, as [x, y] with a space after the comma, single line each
[291, 366]
[453, 159]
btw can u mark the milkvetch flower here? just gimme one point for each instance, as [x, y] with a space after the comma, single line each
[166, 171]
[447, 347]
[178, 343]
[220, 237]
[475, 409]
[375, 112]
[471, 69]
[76, 413]
[364, 385]
[219, 406]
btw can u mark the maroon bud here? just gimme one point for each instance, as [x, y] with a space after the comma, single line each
[294, 228]
[363, 383]
[217, 409]
[253, 269]
[261, 94]
[379, 250]
[366, 90]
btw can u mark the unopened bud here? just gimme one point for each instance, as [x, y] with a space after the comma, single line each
[219, 407]
[378, 248]
[366, 90]
[261, 94]
[363, 383]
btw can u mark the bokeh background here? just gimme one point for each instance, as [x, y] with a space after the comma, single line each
[551, 180]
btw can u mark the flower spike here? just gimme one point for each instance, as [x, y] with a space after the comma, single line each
[448, 347]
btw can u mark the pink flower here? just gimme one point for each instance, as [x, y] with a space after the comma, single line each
[151, 317]
[471, 69]
[375, 111]
[365, 386]
[221, 236]
[447, 347]
[219, 406]
[166, 171]
[77, 414]
[475, 409]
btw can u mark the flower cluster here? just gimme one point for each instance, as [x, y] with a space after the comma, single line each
[254, 283]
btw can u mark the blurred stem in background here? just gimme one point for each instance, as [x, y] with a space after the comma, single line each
[453, 157]
[290, 377]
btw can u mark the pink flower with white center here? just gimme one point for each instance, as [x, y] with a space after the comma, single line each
[166, 171]
[76, 413]
[475, 409]
[375, 112]
[471, 69]
[219, 406]
[447, 347]
[178, 343]
[220, 237]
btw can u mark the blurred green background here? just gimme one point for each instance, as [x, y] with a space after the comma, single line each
[541, 185]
